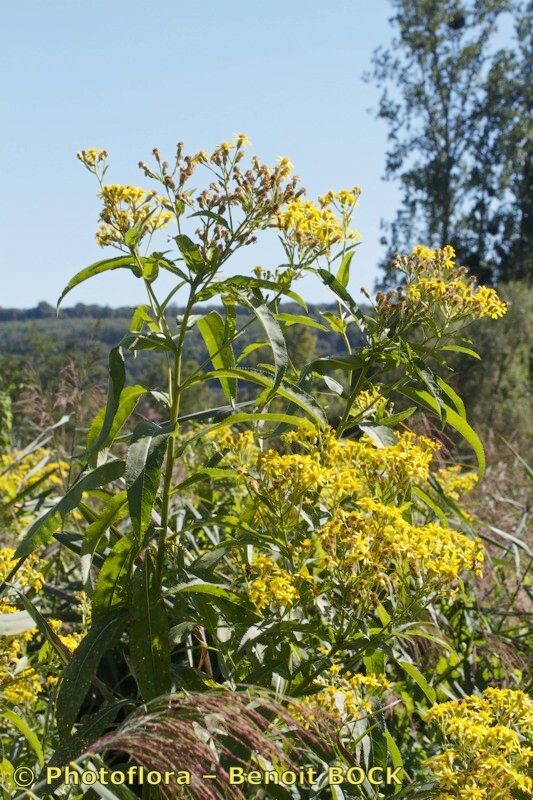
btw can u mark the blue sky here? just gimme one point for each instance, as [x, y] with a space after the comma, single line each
[130, 75]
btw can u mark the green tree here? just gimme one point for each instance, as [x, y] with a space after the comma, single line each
[459, 129]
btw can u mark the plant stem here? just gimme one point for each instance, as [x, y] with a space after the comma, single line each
[174, 393]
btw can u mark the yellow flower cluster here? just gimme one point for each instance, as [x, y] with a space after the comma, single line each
[272, 584]
[19, 682]
[345, 198]
[343, 467]
[375, 543]
[28, 576]
[127, 207]
[92, 158]
[345, 695]
[371, 401]
[17, 474]
[434, 280]
[313, 228]
[454, 482]
[302, 472]
[486, 757]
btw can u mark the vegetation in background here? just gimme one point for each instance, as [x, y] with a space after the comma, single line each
[458, 110]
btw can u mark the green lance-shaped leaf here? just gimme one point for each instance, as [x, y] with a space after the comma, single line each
[191, 253]
[149, 641]
[345, 297]
[395, 756]
[287, 389]
[299, 319]
[81, 669]
[23, 727]
[458, 348]
[240, 282]
[43, 529]
[112, 587]
[213, 331]
[275, 338]
[113, 510]
[343, 275]
[107, 264]
[143, 471]
[211, 589]
[120, 404]
[452, 418]
[97, 438]
[454, 397]
[419, 679]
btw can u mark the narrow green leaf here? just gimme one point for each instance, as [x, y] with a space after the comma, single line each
[299, 319]
[27, 732]
[107, 264]
[81, 669]
[213, 332]
[143, 470]
[288, 390]
[276, 340]
[239, 282]
[139, 317]
[117, 379]
[419, 679]
[250, 348]
[345, 297]
[149, 640]
[437, 510]
[129, 398]
[148, 341]
[394, 419]
[454, 397]
[457, 348]
[453, 419]
[343, 275]
[43, 529]
[191, 253]
[112, 587]
[45, 628]
[96, 530]
[395, 755]
[212, 589]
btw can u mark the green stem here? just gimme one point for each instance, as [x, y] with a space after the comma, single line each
[174, 392]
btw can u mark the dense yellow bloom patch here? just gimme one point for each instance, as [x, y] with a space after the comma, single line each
[28, 576]
[375, 544]
[344, 695]
[126, 207]
[38, 470]
[272, 584]
[434, 279]
[331, 464]
[314, 228]
[486, 755]
[19, 683]
[371, 537]
[454, 482]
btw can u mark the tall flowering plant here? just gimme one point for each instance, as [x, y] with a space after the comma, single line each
[261, 543]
